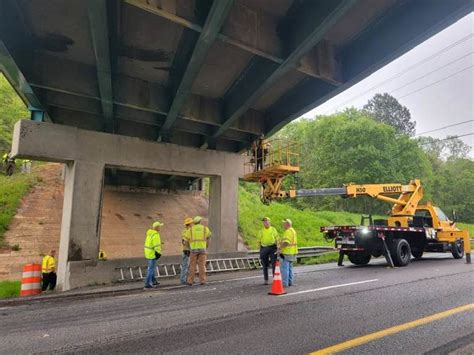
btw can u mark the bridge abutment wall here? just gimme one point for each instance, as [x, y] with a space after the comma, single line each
[87, 153]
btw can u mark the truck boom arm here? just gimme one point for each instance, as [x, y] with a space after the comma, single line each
[405, 205]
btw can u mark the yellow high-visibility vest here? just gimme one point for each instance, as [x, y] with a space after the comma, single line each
[183, 239]
[197, 236]
[102, 255]
[289, 236]
[49, 264]
[268, 236]
[152, 243]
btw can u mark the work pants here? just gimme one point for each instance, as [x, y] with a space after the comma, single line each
[49, 280]
[184, 267]
[150, 273]
[286, 272]
[198, 259]
[268, 257]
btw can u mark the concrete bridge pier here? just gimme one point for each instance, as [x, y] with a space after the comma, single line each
[80, 225]
[86, 154]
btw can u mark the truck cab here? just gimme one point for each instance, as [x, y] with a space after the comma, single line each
[434, 217]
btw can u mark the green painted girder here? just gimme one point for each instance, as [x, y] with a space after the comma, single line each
[214, 21]
[13, 74]
[299, 35]
[98, 23]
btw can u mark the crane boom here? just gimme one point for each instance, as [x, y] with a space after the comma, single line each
[405, 205]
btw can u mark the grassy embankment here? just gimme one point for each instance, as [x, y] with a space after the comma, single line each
[12, 190]
[9, 289]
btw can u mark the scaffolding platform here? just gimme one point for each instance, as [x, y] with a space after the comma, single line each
[269, 163]
[272, 171]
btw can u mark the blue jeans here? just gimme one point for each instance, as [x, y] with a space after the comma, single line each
[150, 273]
[286, 272]
[184, 268]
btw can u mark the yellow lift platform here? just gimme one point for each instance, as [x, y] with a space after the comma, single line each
[269, 162]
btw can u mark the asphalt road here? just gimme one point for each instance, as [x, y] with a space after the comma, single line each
[237, 316]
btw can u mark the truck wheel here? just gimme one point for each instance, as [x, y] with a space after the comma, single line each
[457, 249]
[417, 253]
[359, 258]
[400, 252]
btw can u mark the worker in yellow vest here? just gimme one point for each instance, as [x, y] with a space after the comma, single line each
[188, 223]
[152, 253]
[198, 238]
[267, 239]
[102, 255]
[288, 249]
[48, 269]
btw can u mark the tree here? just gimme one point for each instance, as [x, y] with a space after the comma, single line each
[456, 148]
[11, 110]
[386, 109]
[441, 150]
[453, 188]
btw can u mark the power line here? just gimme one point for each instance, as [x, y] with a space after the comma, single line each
[431, 72]
[435, 82]
[397, 75]
[441, 128]
[450, 137]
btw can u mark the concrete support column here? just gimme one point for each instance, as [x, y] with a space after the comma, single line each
[223, 211]
[81, 216]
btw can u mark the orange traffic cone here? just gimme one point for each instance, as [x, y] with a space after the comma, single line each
[277, 284]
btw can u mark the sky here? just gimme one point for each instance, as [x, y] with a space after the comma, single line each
[435, 81]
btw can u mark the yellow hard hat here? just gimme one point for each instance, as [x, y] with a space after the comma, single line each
[266, 219]
[157, 224]
[188, 220]
[287, 220]
[197, 219]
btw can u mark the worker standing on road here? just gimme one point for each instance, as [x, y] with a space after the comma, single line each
[188, 223]
[267, 238]
[198, 238]
[102, 255]
[288, 251]
[48, 269]
[152, 253]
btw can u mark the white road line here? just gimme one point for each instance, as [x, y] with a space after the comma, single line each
[328, 287]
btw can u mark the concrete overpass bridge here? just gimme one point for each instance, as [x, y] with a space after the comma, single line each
[163, 92]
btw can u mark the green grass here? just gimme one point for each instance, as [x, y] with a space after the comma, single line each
[12, 190]
[468, 227]
[9, 289]
[330, 257]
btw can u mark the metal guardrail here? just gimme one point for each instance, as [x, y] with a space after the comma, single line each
[250, 262]
[305, 252]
